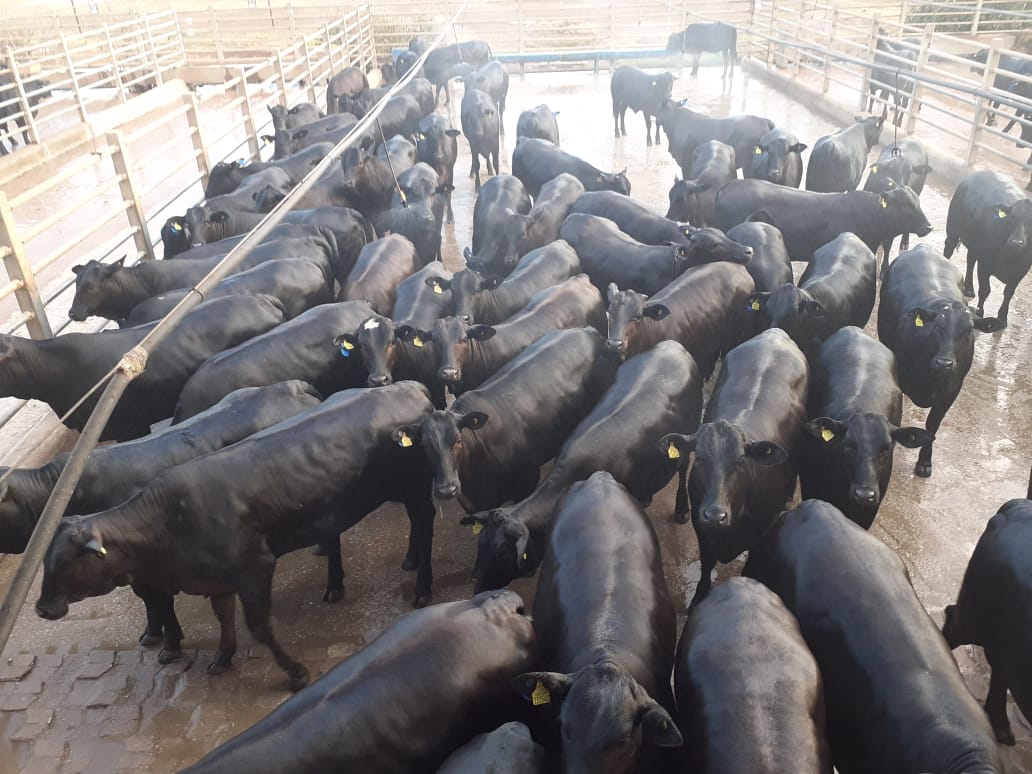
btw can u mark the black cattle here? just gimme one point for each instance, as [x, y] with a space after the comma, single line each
[420, 89]
[837, 161]
[293, 485]
[419, 221]
[992, 611]
[480, 123]
[808, 220]
[226, 176]
[891, 74]
[536, 161]
[368, 182]
[302, 348]
[380, 267]
[837, 289]
[692, 199]
[441, 61]
[245, 198]
[401, 114]
[1007, 67]
[686, 130]
[745, 451]
[923, 319]
[776, 158]
[331, 129]
[509, 749]
[424, 297]
[554, 202]
[499, 223]
[491, 300]
[632, 217]
[327, 191]
[993, 219]
[538, 123]
[904, 163]
[653, 391]
[176, 240]
[707, 36]
[36, 90]
[704, 309]
[436, 145]
[769, 264]
[404, 62]
[749, 692]
[609, 255]
[894, 697]
[855, 407]
[467, 355]
[488, 446]
[610, 642]
[460, 653]
[399, 151]
[350, 80]
[492, 79]
[291, 118]
[59, 371]
[643, 93]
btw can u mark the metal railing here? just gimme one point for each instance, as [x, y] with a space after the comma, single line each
[971, 16]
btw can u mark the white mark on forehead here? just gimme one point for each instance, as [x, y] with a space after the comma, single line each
[371, 324]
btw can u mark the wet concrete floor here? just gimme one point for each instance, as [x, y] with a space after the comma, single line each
[79, 694]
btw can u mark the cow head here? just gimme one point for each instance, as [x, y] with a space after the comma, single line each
[606, 716]
[441, 436]
[706, 245]
[96, 290]
[357, 105]
[942, 334]
[626, 314]
[436, 143]
[198, 220]
[503, 549]
[224, 178]
[375, 341]
[267, 198]
[794, 310]
[499, 252]
[872, 128]
[1016, 222]
[612, 181]
[76, 566]
[466, 286]
[684, 202]
[452, 339]
[175, 238]
[902, 212]
[279, 117]
[772, 156]
[661, 87]
[18, 514]
[285, 142]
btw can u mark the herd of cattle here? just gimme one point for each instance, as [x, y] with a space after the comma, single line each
[337, 370]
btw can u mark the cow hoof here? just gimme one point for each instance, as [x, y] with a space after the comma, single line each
[409, 565]
[297, 678]
[220, 665]
[167, 656]
[969, 292]
[649, 144]
[332, 595]
[422, 600]
[450, 219]
[681, 518]
[923, 469]
[147, 639]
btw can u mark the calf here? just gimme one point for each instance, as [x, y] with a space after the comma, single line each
[632, 217]
[331, 129]
[776, 158]
[687, 129]
[1007, 67]
[608, 255]
[610, 641]
[659, 388]
[741, 651]
[837, 289]
[380, 267]
[536, 161]
[480, 123]
[290, 486]
[923, 319]
[436, 145]
[245, 196]
[902, 164]
[419, 221]
[399, 151]
[769, 264]
[509, 749]
[894, 697]
[302, 348]
[993, 218]
[491, 300]
[643, 93]
[291, 118]
[855, 406]
[707, 36]
[808, 220]
[401, 114]
[837, 160]
[499, 223]
[350, 80]
[425, 653]
[745, 451]
[488, 447]
[225, 177]
[692, 199]
[368, 182]
[992, 611]
[554, 202]
[441, 61]
[704, 309]
[538, 123]
[492, 79]
[891, 70]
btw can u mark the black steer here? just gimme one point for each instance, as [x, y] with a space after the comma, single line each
[692, 199]
[538, 123]
[632, 217]
[381, 266]
[436, 145]
[904, 163]
[499, 223]
[837, 161]
[226, 176]
[769, 264]
[441, 61]
[776, 158]
[707, 36]
[554, 202]
[331, 129]
[643, 93]
[350, 80]
[481, 125]
[368, 182]
[686, 130]
[509, 749]
[536, 161]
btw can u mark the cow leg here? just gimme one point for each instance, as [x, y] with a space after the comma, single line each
[1008, 293]
[172, 638]
[623, 121]
[969, 282]
[658, 138]
[155, 621]
[334, 571]
[421, 513]
[923, 468]
[983, 287]
[255, 592]
[224, 607]
[682, 505]
[450, 217]
[695, 63]
[990, 118]
[996, 705]
[447, 94]
[724, 54]
[492, 161]
[475, 172]
[708, 560]
[616, 121]
[904, 242]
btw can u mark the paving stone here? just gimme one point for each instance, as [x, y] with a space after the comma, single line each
[15, 702]
[119, 720]
[108, 690]
[97, 663]
[28, 732]
[16, 667]
[43, 715]
[43, 765]
[139, 744]
[32, 684]
[49, 748]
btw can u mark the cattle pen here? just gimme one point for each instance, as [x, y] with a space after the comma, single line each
[142, 106]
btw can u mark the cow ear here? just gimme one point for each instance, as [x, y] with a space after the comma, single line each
[923, 169]
[658, 727]
[347, 343]
[656, 311]
[452, 132]
[406, 436]
[77, 268]
[799, 147]
[675, 446]
[921, 317]
[826, 428]
[757, 301]
[411, 334]
[760, 216]
[1001, 211]
[474, 420]
[540, 688]
[480, 332]
[765, 453]
[911, 437]
[219, 217]
[95, 546]
[813, 306]
[612, 292]
[490, 283]
[120, 263]
[438, 284]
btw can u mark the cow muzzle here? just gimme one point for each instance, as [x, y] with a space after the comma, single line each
[76, 314]
[52, 610]
[379, 380]
[447, 491]
[716, 516]
[449, 375]
[617, 345]
[944, 364]
[863, 495]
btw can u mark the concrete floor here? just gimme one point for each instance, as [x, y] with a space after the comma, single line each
[79, 694]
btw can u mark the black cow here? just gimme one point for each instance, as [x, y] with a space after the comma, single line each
[894, 697]
[509, 749]
[891, 73]
[399, 151]
[491, 300]
[538, 123]
[609, 255]
[553, 203]
[707, 36]
[632, 217]
[855, 406]
[904, 163]
[536, 161]
[226, 176]
[687, 129]
[302, 348]
[480, 123]
[36, 90]
[808, 220]
[777, 158]
[488, 447]
[837, 289]
[769, 264]
[610, 641]
[245, 198]
[992, 611]
[441, 61]
[923, 319]
[380, 267]
[838, 160]
[404, 62]
[436, 145]
[331, 129]
[401, 114]
[499, 223]
[653, 391]
[419, 89]
[1007, 67]
[643, 93]
[993, 218]
[293, 485]
[350, 80]
[745, 451]
[368, 182]
[692, 199]
[704, 309]
[492, 79]
[741, 651]
[424, 193]
[291, 118]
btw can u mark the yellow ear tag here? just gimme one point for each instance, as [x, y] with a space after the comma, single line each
[758, 150]
[884, 204]
[874, 169]
[540, 695]
[176, 227]
[1001, 214]
[524, 556]
[417, 342]
[672, 452]
[755, 305]
[599, 179]
[347, 345]
[477, 527]
[438, 289]
[826, 434]
[405, 441]
[918, 321]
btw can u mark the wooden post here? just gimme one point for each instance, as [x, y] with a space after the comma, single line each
[115, 70]
[308, 67]
[13, 252]
[215, 36]
[75, 81]
[826, 84]
[367, 19]
[922, 63]
[194, 119]
[153, 51]
[798, 39]
[977, 18]
[127, 185]
[612, 28]
[770, 33]
[250, 127]
[23, 99]
[179, 37]
[865, 77]
[290, 20]
[329, 48]
[992, 62]
[282, 75]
